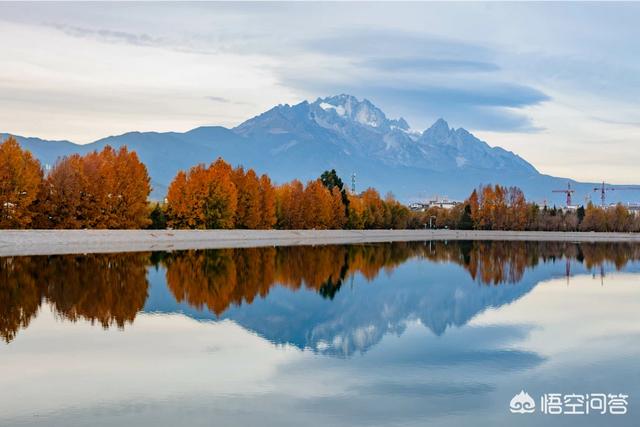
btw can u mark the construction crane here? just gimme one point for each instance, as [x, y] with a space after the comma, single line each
[603, 191]
[568, 192]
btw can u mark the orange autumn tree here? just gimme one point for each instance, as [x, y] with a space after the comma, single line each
[178, 209]
[64, 202]
[338, 217]
[268, 202]
[203, 197]
[474, 207]
[249, 204]
[486, 203]
[499, 208]
[20, 180]
[374, 209]
[355, 220]
[129, 188]
[518, 216]
[95, 191]
[289, 205]
[369, 211]
[317, 206]
[107, 189]
[397, 214]
[595, 219]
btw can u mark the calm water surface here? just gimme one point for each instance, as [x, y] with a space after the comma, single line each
[402, 334]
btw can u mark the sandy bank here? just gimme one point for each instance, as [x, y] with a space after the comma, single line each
[49, 242]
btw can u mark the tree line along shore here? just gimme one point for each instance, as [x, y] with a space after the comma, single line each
[110, 190]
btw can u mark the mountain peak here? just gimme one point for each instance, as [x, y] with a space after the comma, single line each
[439, 131]
[441, 124]
[342, 99]
[362, 112]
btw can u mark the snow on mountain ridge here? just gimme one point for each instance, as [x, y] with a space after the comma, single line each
[362, 112]
[339, 109]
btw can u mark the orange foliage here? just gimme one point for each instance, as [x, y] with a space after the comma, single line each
[249, 204]
[106, 189]
[65, 203]
[20, 180]
[338, 217]
[289, 205]
[130, 188]
[499, 208]
[268, 200]
[368, 211]
[316, 206]
[203, 197]
[260, 205]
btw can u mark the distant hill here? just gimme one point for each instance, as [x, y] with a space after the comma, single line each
[344, 133]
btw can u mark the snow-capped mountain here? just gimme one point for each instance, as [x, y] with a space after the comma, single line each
[360, 128]
[341, 132]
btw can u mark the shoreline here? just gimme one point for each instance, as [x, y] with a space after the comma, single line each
[59, 242]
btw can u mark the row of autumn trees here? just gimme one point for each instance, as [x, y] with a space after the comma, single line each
[501, 208]
[107, 189]
[219, 196]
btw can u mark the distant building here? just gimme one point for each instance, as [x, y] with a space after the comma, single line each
[633, 208]
[570, 208]
[443, 203]
[418, 207]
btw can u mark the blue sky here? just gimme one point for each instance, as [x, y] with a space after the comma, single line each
[557, 83]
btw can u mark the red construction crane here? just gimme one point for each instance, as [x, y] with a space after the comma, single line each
[603, 190]
[568, 192]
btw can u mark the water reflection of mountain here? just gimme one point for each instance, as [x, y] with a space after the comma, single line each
[333, 299]
[354, 315]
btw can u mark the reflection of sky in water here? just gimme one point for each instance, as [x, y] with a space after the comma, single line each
[426, 346]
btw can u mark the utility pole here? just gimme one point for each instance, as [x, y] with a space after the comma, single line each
[353, 183]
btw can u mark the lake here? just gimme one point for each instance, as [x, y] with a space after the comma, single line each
[393, 334]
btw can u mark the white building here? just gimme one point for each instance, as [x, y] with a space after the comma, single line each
[443, 203]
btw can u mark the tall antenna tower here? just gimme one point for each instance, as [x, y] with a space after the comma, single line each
[353, 183]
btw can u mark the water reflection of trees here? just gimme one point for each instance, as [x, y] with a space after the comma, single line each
[20, 295]
[108, 289]
[111, 288]
[498, 262]
[217, 279]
